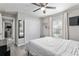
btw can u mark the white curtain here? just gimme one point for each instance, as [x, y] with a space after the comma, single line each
[65, 29]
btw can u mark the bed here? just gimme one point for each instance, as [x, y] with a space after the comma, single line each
[49, 46]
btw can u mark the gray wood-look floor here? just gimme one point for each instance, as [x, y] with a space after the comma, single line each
[18, 51]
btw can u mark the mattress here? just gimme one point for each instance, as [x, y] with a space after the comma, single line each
[49, 46]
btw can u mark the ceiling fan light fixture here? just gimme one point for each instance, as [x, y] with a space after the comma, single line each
[43, 8]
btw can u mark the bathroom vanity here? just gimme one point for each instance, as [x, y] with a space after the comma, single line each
[4, 50]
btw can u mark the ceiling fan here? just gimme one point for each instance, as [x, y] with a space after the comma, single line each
[43, 7]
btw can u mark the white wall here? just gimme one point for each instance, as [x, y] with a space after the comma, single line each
[32, 28]
[74, 33]
[74, 30]
[46, 22]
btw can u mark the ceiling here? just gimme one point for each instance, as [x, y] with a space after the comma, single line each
[28, 8]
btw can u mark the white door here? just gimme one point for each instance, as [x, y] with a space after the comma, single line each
[0, 27]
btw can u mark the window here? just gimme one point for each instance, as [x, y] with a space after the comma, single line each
[57, 26]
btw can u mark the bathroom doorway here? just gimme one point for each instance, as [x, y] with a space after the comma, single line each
[9, 29]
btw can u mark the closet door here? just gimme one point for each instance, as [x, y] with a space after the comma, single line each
[0, 27]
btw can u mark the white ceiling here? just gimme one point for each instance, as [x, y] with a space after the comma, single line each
[28, 8]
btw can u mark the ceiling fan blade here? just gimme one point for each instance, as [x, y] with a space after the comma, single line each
[36, 4]
[44, 12]
[36, 9]
[51, 7]
[41, 4]
[46, 4]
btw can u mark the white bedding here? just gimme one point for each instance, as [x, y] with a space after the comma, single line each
[49, 46]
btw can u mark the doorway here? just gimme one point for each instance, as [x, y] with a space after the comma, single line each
[9, 29]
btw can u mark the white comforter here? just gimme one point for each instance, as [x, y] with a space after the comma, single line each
[49, 46]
